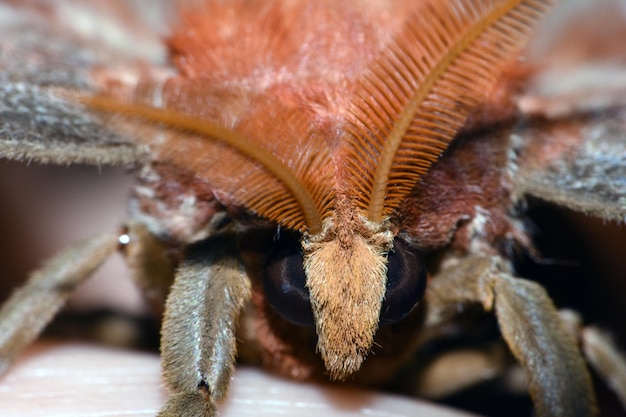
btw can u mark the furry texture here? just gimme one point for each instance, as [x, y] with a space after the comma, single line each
[288, 77]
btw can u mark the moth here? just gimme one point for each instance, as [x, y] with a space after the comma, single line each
[340, 178]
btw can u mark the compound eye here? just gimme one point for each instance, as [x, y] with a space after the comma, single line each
[406, 282]
[284, 283]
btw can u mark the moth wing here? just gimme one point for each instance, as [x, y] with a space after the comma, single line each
[579, 164]
[572, 146]
[46, 49]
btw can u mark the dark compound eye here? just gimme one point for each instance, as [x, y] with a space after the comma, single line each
[284, 283]
[406, 282]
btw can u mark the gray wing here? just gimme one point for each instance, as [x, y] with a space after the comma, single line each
[50, 49]
[579, 164]
[571, 149]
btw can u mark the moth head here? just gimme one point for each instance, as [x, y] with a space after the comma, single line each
[271, 157]
[346, 281]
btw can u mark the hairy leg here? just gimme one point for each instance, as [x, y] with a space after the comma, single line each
[559, 381]
[198, 343]
[31, 307]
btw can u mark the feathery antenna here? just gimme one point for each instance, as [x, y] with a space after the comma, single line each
[311, 218]
[421, 90]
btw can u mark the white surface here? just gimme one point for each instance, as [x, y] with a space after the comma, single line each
[75, 380]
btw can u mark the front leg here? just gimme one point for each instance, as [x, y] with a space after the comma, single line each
[559, 381]
[198, 344]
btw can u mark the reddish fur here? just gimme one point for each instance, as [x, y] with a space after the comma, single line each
[267, 43]
[291, 54]
[470, 174]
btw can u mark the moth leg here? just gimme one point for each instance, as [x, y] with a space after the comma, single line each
[601, 353]
[559, 381]
[151, 268]
[198, 343]
[24, 315]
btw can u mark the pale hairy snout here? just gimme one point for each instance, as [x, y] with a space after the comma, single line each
[346, 277]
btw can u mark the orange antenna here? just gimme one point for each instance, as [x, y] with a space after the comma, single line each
[181, 122]
[421, 90]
